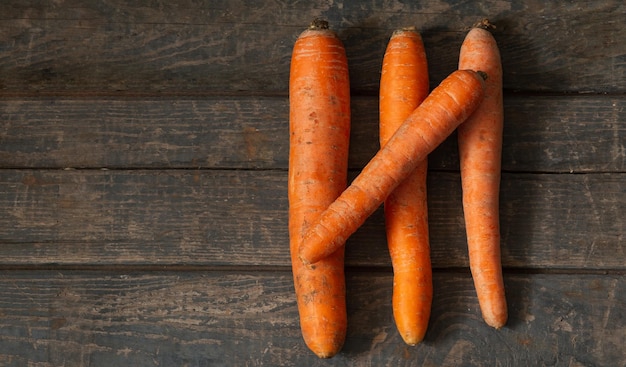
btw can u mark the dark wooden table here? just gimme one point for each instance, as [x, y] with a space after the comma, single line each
[143, 167]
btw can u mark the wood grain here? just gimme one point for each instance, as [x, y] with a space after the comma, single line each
[542, 133]
[226, 217]
[250, 319]
[143, 168]
[94, 46]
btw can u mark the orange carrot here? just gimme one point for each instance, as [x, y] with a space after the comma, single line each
[428, 126]
[319, 123]
[403, 86]
[480, 147]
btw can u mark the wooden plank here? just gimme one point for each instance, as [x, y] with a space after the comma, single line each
[542, 133]
[248, 132]
[250, 319]
[193, 46]
[234, 217]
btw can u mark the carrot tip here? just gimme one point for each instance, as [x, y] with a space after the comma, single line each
[318, 23]
[325, 356]
[404, 29]
[497, 325]
[412, 343]
[484, 24]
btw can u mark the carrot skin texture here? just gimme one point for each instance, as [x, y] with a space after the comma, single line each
[428, 126]
[480, 150]
[319, 123]
[404, 85]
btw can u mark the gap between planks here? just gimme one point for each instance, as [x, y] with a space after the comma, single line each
[252, 269]
[191, 94]
[353, 171]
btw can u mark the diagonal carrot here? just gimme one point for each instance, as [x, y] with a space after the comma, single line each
[429, 125]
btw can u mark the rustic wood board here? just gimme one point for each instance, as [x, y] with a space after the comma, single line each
[542, 133]
[81, 46]
[55, 318]
[143, 170]
[235, 217]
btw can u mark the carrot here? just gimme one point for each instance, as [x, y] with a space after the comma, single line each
[428, 126]
[319, 123]
[403, 86]
[480, 149]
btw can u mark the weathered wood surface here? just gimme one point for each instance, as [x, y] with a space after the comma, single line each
[250, 319]
[139, 46]
[143, 207]
[542, 133]
[233, 217]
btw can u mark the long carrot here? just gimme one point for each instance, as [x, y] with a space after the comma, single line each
[319, 123]
[403, 86]
[436, 118]
[480, 147]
